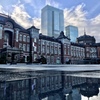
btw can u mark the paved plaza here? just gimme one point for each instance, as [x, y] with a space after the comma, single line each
[52, 67]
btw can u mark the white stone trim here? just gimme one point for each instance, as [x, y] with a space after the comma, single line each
[7, 29]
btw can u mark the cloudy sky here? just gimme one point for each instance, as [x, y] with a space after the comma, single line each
[80, 13]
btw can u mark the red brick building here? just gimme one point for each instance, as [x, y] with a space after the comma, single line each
[24, 45]
[14, 40]
[92, 49]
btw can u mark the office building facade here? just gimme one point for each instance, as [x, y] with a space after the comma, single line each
[52, 21]
[72, 32]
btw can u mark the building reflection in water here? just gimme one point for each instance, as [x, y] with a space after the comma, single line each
[45, 85]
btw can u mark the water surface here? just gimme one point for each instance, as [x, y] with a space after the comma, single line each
[49, 83]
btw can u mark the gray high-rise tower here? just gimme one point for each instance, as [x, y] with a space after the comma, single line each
[52, 21]
[72, 32]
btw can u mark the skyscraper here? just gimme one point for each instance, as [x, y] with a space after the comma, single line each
[52, 21]
[71, 32]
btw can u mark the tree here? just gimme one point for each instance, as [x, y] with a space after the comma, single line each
[3, 59]
[43, 60]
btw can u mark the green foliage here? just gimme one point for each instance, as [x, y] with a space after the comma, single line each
[43, 60]
[3, 59]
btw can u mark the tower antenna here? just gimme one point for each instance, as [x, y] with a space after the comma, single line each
[33, 22]
[84, 31]
[9, 15]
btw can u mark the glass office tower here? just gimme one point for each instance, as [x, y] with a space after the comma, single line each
[71, 32]
[52, 21]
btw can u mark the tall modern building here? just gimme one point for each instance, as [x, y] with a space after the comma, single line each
[71, 32]
[52, 21]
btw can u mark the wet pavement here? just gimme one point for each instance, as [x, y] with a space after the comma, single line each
[49, 82]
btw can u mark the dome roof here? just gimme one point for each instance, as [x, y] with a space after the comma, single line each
[85, 37]
[89, 90]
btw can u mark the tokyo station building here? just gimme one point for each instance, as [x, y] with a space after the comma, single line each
[18, 43]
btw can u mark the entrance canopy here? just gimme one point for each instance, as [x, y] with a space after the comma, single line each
[11, 50]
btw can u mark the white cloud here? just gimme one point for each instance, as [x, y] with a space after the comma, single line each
[2, 10]
[52, 3]
[74, 16]
[38, 5]
[35, 5]
[96, 20]
[20, 15]
[77, 16]
[37, 22]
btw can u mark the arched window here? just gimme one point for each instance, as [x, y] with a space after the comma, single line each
[20, 37]
[6, 39]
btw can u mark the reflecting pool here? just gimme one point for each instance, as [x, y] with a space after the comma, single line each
[29, 84]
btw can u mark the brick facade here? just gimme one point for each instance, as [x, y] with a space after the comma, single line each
[23, 43]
